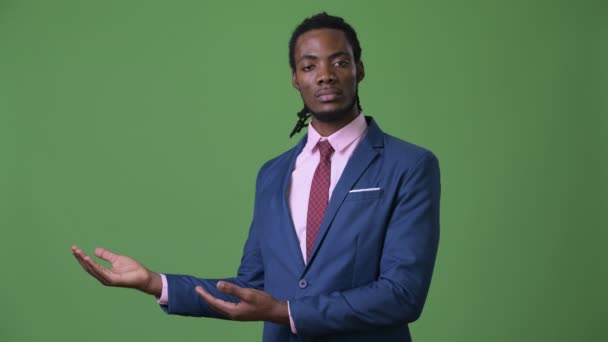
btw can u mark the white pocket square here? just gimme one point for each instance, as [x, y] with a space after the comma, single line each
[364, 190]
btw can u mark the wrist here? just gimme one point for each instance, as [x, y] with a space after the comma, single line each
[281, 313]
[153, 285]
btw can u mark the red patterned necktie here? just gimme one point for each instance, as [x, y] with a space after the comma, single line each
[319, 195]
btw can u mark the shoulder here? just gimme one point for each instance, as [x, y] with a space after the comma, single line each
[275, 168]
[406, 154]
[398, 153]
[415, 169]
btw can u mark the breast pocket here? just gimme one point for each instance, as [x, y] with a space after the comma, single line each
[363, 194]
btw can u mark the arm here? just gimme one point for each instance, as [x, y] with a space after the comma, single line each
[407, 261]
[129, 273]
[395, 298]
[183, 300]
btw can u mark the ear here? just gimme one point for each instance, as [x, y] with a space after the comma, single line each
[360, 71]
[294, 80]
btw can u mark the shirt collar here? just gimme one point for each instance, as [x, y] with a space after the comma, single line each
[340, 139]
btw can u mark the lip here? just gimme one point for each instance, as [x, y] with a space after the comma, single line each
[328, 94]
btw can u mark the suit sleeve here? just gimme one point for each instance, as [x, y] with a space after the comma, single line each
[183, 300]
[406, 266]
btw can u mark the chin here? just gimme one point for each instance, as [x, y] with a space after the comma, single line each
[332, 113]
[331, 116]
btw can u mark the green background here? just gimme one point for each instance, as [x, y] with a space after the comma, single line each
[140, 126]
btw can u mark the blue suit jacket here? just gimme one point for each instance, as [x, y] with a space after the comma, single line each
[370, 269]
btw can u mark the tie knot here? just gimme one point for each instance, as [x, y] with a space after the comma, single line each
[325, 149]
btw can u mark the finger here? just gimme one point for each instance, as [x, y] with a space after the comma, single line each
[80, 255]
[105, 254]
[220, 310]
[219, 305]
[234, 290]
[82, 259]
[103, 274]
[94, 269]
[210, 300]
[81, 262]
[87, 267]
[77, 251]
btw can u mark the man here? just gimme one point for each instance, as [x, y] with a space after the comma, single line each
[345, 226]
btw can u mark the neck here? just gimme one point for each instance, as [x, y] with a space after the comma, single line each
[327, 128]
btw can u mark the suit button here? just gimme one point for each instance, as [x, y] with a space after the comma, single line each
[303, 283]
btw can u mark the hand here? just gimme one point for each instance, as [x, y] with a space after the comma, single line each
[125, 272]
[255, 305]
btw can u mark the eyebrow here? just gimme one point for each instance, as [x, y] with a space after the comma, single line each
[332, 56]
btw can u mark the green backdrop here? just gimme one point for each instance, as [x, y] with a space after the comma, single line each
[140, 126]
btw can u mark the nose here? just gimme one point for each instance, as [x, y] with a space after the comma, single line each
[326, 75]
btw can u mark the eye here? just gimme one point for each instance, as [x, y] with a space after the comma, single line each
[341, 63]
[308, 68]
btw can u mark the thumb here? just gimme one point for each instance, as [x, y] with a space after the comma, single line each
[232, 290]
[105, 254]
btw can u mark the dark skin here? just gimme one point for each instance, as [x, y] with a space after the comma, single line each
[326, 76]
[126, 272]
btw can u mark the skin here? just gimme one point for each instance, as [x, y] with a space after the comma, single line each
[125, 271]
[326, 76]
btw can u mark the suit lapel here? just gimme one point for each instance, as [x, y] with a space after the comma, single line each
[286, 221]
[362, 157]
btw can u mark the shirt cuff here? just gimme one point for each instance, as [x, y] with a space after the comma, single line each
[291, 323]
[164, 295]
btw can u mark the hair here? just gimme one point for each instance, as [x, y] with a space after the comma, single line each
[321, 21]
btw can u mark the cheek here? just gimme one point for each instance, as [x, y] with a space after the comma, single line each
[351, 77]
[306, 80]
[306, 89]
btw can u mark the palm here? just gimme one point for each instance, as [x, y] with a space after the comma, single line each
[124, 272]
[254, 305]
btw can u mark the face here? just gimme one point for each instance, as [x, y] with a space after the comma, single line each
[326, 74]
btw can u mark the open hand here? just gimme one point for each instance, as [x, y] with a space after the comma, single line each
[125, 271]
[255, 305]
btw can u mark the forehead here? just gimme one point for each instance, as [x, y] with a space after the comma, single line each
[321, 42]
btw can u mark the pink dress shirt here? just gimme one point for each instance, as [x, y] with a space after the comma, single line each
[344, 143]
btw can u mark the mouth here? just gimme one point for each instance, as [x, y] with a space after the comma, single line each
[328, 94]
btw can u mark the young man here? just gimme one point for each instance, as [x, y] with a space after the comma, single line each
[345, 226]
